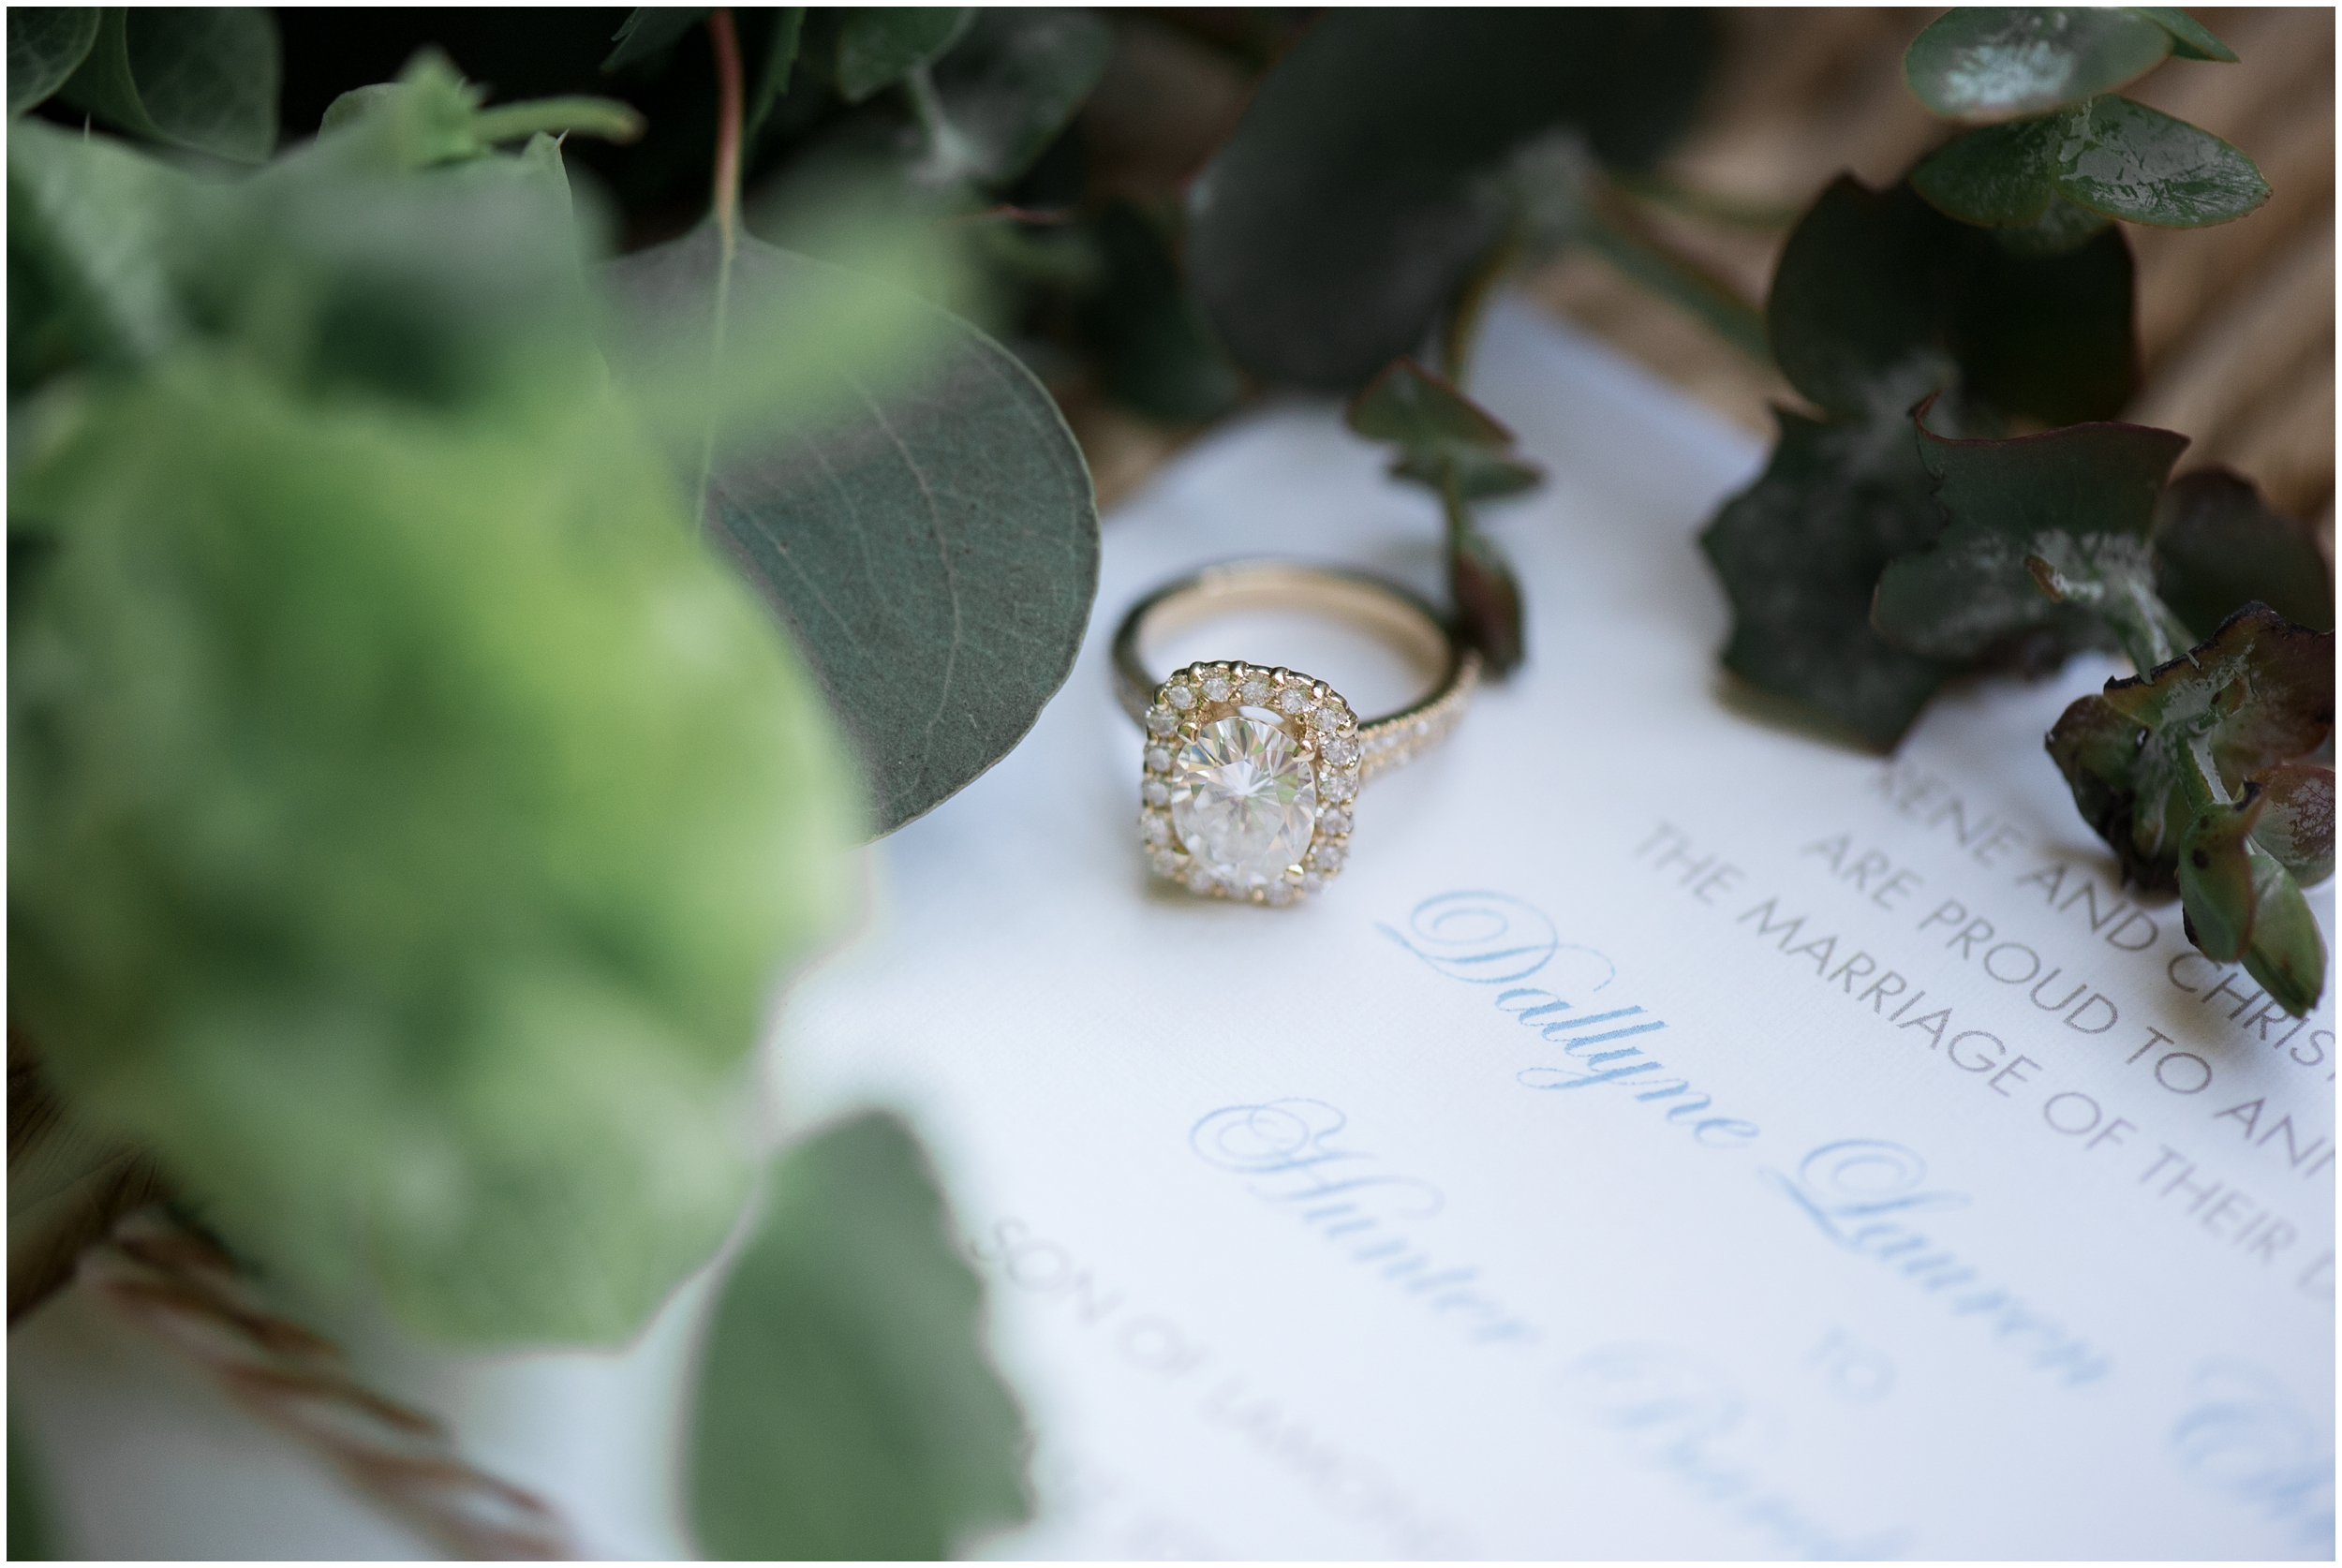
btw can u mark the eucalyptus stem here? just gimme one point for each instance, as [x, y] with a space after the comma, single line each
[1461, 328]
[727, 214]
[606, 118]
[1641, 256]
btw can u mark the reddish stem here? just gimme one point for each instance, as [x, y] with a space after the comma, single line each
[727, 119]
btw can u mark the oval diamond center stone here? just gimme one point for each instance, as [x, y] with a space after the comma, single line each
[1243, 800]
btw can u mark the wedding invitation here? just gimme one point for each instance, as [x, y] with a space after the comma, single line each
[1676, 1134]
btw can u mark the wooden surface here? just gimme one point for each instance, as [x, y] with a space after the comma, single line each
[2235, 323]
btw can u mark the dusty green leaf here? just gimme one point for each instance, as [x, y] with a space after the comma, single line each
[2219, 547]
[879, 45]
[199, 77]
[1355, 195]
[2110, 155]
[2044, 533]
[650, 29]
[1013, 81]
[2259, 693]
[46, 45]
[845, 1406]
[1477, 473]
[932, 541]
[2190, 40]
[1418, 409]
[1983, 63]
[1800, 551]
[1153, 351]
[2239, 904]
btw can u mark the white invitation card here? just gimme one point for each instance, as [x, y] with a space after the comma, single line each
[1676, 1134]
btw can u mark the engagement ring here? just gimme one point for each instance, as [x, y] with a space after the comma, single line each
[1251, 771]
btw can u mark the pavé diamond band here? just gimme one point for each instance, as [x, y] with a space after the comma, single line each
[1250, 772]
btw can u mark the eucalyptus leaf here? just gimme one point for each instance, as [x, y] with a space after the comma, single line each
[1355, 196]
[932, 542]
[1982, 63]
[91, 235]
[2110, 155]
[879, 45]
[846, 1406]
[1013, 81]
[2240, 904]
[650, 29]
[2257, 694]
[1153, 350]
[1880, 302]
[1800, 551]
[46, 45]
[204, 78]
[2045, 532]
[2295, 825]
[2190, 40]
[2219, 547]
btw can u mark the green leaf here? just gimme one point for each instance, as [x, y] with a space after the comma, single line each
[1355, 195]
[199, 77]
[2190, 40]
[1419, 410]
[2045, 533]
[879, 45]
[2296, 821]
[91, 228]
[2110, 157]
[934, 544]
[2258, 694]
[46, 45]
[1153, 352]
[846, 1405]
[650, 29]
[2219, 547]
[2239, 903]
[1800, 551]
[1013, 81]
[432, 115]
[1980, 63]
[1879, 299]
[772, 83]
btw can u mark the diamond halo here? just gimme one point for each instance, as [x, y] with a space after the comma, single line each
[1247, 783]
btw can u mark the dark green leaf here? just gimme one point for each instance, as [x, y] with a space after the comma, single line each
[1014, 80]
[2111, 157]
[846, 1405]
[2190, 40]
[2259, 693]
[2239, 903]
[1981, 63]
[1153, 352]
[1419, 408]
[647, 30]
[199, 77]
[879, 45]
[1349, 204]
[934, 546]
[1800, 553]
[1487, 599]
[2044, 532]
[90, 228]
[2296, 821]
[46, 45]
[2218, 547]
[1879, 299]
[772, 83]
[1477, 473]
[2062, 227]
